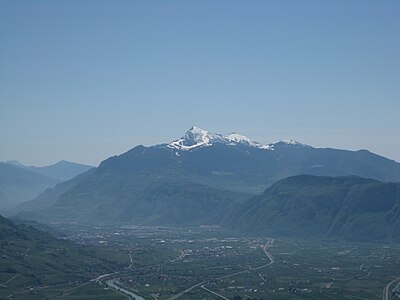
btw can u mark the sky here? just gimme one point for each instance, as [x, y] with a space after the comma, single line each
[85, 80]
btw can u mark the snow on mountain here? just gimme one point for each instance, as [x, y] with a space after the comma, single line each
[289, 142]
[196, 137]
[241, 139]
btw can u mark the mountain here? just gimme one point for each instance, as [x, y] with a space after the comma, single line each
[19, 184]
[335, 207]
[136, 201]
[50, 196]
[40, 226]
[62, 170]
[38, 260]
[198, 173]
[15, 163]
[196, 137]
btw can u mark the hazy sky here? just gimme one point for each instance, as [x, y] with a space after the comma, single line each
[84, 80]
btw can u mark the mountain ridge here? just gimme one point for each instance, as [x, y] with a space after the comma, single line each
[349, 207]
[41, 260]
[118, 188]
[61, 170]
[19, 184]
[196, 137]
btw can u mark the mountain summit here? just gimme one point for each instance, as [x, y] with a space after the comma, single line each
[196, 137]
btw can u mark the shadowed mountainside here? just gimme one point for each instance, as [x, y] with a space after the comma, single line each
[336, 207]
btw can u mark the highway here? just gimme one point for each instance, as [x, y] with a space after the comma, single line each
[267, 253]
[186, 291]
[386, 290]
[215, 293]
[15, 276]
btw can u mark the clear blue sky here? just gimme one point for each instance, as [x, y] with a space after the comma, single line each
[84, 80]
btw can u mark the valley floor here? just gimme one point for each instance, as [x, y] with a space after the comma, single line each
[207, 263]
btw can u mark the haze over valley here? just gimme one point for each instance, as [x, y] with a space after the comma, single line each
[199, 150]
[186, 195]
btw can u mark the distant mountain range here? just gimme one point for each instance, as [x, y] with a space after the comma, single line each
[62, 170]
[196, 179]
[19, 183]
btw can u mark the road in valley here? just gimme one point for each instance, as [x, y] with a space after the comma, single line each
[186, 291]
[215, 293]
[387, 288]
[267, 253]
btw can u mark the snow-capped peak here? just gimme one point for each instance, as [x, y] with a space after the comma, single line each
[197, 137]
[241, 139]
[235, 137]
[290, 142]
